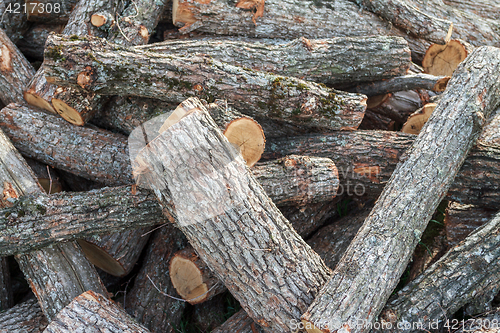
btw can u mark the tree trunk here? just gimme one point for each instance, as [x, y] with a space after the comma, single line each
[24, 317]
[6, 293]
[157, 75]
[328, 61]
[147, 303]
[15, 71]
[461, 220]
[88, 152]
[55, 274]
[289, 19]
[460, 276]
[403, 83]
[409, 18]
[116, 253]
[383, 246]
[239, 322]
[241, 257]
[191, 277]
[93, 311]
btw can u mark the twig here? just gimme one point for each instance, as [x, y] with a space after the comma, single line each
[180, 299]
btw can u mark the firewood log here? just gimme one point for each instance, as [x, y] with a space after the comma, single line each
[116, 253]
[375, 121]
[264, 237]
[417, 119]
[461, 220]
[147, 301]
[491, 132]
[366, 160]
[139, 73]
[454, 280]
[239, 322]
[409, 18]
[192, 278]
[93, 311]
[444, 59]
[24, 317]
[49, 11]
[384, 244]
[15, 71]
[402, 83]
[58, 273]
[486, 323]
[6, 294]
[489, 9]
[341, 60]
[14, 21]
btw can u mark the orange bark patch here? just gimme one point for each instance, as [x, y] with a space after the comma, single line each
[5, 59]
[85, 77]
[370, 172]
[257, 5]
[9, 192]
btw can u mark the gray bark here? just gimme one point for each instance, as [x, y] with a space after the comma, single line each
[26, 317]
[402, 83]
[14, 23]
[254, 260]
[92, 311]
[464, 273]
[382, 248]
[6, 293]
[100, 67]
[333, 61]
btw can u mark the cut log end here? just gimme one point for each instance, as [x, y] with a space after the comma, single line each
[444, 59]
[101, 259]
[98, 20]
[418, 119]
[33, 99]
[310, 328]
[247, 136]
[374, 101]
[67, 112]
[441, 84]
[187, 280]
[182, 14]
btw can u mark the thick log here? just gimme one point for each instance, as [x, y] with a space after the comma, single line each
[491, 132]
[454, 280]
[403, 83]
[461, 220]
[6, 292]
[398, 105]
[13, 21]
[366, 160]
[94, 63]
[15, 71]
[333, 61]
[401, 213]
[191, 277]
[49, 11]
[88, 152]
[93, 311]
[58, 273]
[486, 323]
[240, 256]
[239, 322]
[24, 317]
[289, 19]
[489, 9]
[147, 300]
[444, 59]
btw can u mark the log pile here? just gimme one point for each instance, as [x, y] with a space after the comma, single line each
[249, 166]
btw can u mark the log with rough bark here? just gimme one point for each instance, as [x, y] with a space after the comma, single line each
[407, 17]
[24, 317]
[366, 160]
[461, 275]
[254, 257]
[333, 61]
[486, 323]
[461, 220]
[95, 63]
[289, 19]
[33, 42]
[93, 311]
[58, 273]
[49, 11]
[147, 301]
[383, 246]
[191, 277]
[489, 9]
[444, 59]
[15, 71]
[13, 21]
[239, 322]
[306, 219]
[43, 220]
[72, 105]
[6, 293]
[88, 152]
[403, 83]
[116, 253]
